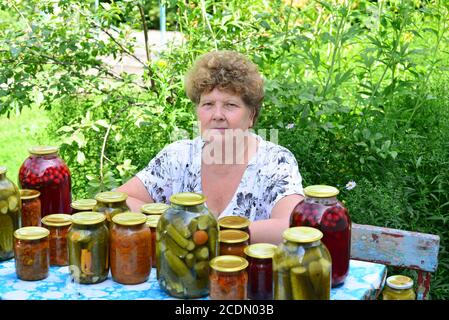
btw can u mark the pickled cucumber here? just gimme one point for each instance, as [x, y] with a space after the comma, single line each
[175, 248]
[177, 237]
[6, 234]
[3, 206]
[282, 286]
[13, 203]
[213, 242]
[176, 264]
[300, 284]
[204, 222]
[190, 260]
[202, 253]
[182, 229]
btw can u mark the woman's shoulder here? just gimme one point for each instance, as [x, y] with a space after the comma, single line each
[184, 146]
[273, 152]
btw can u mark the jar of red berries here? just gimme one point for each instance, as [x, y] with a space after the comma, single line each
[321, 209]
[47, 173]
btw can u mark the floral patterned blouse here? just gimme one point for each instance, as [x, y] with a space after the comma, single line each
[272, 173]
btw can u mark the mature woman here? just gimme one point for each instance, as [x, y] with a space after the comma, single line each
[239, 172]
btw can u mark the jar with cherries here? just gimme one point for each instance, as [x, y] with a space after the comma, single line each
[321, 209]
[47, 173]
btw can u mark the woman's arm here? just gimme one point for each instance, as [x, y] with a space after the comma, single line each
[137, 194]
[270, 230]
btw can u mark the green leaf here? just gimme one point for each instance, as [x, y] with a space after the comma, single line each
[80, 157]
[65, 129]
[102, 123]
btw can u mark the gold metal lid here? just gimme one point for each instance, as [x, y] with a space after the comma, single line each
[31, 233]
[234, 222]
[228, 263]
[153, 220]
[321, 191]
[188, 199]
[84, 204]
[111, 196]
[129, 218]
[399, 282]
[154, 208]
[28, 194]
[88, 218]
[43, 150]
[233, 236]
[260, 250]
[57, 220]
[3, 169]
[302, 234]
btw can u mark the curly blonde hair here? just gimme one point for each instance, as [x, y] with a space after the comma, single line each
[228, 71]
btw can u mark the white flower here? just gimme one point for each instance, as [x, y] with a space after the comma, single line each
[290, 126]
[351, 185]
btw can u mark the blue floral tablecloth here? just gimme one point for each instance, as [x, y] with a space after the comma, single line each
[364, 281]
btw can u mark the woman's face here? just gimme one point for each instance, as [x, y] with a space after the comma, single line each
[219, 111]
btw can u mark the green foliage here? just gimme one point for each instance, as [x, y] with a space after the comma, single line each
[357, 89]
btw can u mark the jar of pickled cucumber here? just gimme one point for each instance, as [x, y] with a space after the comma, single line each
[10, 214]
[32, 253]
[88, 241]
[398, 287]
[260, 270]
[152, 221]
[31, 208]
[47, 173]
[154, 208]
[83, 205]
[320, 209]
[302, 266]
[186, 240]
[130, 248]
[58, 224]
[228, 278]
[235, 223]
[110, 203]
[233, 242]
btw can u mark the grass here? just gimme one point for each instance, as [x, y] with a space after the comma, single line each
[18, 134]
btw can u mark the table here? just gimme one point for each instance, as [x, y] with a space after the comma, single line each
[364, 281]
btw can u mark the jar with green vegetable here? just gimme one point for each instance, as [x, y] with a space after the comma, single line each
[186, 241]
[110, 203]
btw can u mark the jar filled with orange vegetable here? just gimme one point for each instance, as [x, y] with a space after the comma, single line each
[235, 223]
[228, 278]
[233, 242]
[83, 205]
[152, 222]
[58, 225]
[32, 253]
[130, 248]
[31, 208]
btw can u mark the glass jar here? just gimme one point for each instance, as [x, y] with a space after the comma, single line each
[235, 223]
[228, 278]
[302, 266]
[31, 208]
[47, 173]
[83, 205]
[186, 240]
[58, 224]
[154, 208]
[130, 248]
[399, 287]
[32, 253]
[10, 215]
[110, 203]
[152, 222]
[320, 209]
[260, 270]
[88, 248]
[233, 242]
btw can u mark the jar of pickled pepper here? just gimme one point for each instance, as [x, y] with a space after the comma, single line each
[88, 241]
[260, 270]
[110, 203]
[47, 173]
[152, 221]
[32, 253]
[320, 209]
[186, 240]
[399, 287]
[302, 266]
[228, 278]
[154, 208]
[83, 205]
[233, 242]
[31, 208]
[235, 223]
[130, 248]
[58, 224]
[10, 214]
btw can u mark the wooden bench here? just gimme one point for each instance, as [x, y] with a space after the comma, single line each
[398, 248]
